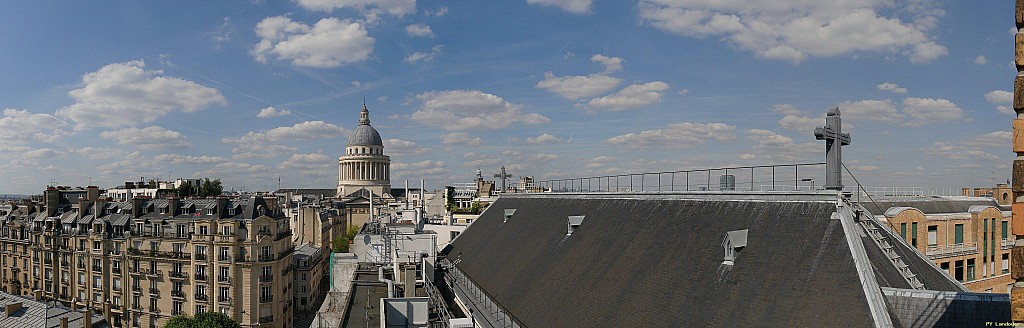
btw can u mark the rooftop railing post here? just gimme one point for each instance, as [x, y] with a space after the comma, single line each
[796, 177]
[672, 185]
[751, 178]
[687, 180]
[642, 176]
[773, 177]
[708, 187]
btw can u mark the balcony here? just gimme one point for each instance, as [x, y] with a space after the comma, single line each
[944, 251]
[177, 294]
[201, 297]
[64, 264]
[200, 277]
[224, 299]
[266, 258]
[181, 255]
[224, 279]
[1007, 243]
[154, 309]
[177, 312]
[97, 268]
[137, 307]
[48, 261]
[153, 273]
[200, 256]
[225, 258]
[177, 275]
[154, 291]
[266, 299]
[81, 265]
[266, 278]
[137, 289]
[225, 238]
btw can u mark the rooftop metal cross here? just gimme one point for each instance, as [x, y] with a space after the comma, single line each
[502, 176]
[832, 133]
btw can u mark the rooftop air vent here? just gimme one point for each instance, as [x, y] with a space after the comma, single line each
[734, 242]
[508, 214]
[574, 222]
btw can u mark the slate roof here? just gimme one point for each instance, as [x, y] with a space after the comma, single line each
[365, 135]
[928, 204]
[658, 262]
[37, 314]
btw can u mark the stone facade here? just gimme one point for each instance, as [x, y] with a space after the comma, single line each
[973, 248]
[139, 263]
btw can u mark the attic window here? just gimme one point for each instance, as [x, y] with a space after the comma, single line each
[734, 242]
[508, 214]
[574, 223]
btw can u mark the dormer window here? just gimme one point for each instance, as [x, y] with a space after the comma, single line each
[574, 223]
[734, 242]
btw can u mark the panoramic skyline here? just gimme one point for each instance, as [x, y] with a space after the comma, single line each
[253, 91]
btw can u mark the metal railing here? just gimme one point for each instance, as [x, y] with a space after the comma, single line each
[751, 178]
[943, 251]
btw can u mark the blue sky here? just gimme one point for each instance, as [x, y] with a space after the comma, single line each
[253, 91]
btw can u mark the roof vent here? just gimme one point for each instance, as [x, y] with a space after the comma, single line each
[508, 214]
[734, 242]
[574, 222]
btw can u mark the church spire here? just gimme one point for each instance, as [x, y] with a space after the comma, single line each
[364, 115]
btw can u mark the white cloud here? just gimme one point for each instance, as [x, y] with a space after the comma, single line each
[470, 109]
[222, 33]
[183, 159]
[543, 139]
[877, 110]
[424, 56]
[611, 64]
[576, 87]
[891, 87]
[637, 95]
[394, 7]
[682, 135]
[234, 169]
[148, 138]
[980, 60]
[440, 11]
[310, 164]
[999, 97]
[771, 146]
[572, 6]
[399, 147]
[269, 112]
[997, 139]
[126, 94]
[269, 143]
[683, 91]
[1005, 110]
[926, 110]
[543, 157]
[792, 30]
[800, 123]
[785, 109]
[419, 30]
[460, 138]
[959, 151]
[20, 126]
[328, 43]
[419, 169]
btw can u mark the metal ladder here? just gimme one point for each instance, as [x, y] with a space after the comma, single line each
[883, 243]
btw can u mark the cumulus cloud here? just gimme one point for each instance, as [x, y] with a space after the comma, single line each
[20, 126]
[792, 30]
[460, 138]
[999, 97]
[584, 86]
[800, 123]
[980, 60]
[877, 110]
[543, 139]
[419, 169]
[126, 94]
[269, 143]
[771, 146]
[310, 164]
[394, 7]
[269, 112]
[399, 147]
[148, 138]
[576, 87]
[682, 135]
[572, 6]
[328, 43]
[891, 87]
[637, 95]
[470, 109]
[183, 159]
[419, 30]
[927, 110]
[424, 56]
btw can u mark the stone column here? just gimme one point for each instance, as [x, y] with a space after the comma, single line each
[1017, 185]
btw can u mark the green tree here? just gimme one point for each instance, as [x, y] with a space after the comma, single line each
[211, 188]
[353, 230]
[340, 244]
[203, 320]
[185, 189]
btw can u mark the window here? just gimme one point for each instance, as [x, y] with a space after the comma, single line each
[1004, 229]
[96, 281]
[984, 240]
[267, 271]
[97, 297]
[913, 234]
[200, 250]
[1006, 262]
[154, 245]
[177, 286]
[136, 302]
[117, 284]
[200, 289]
[225, 230]
[225, 294]
[933, 235]
[958, 235]
[970, 270]
[204, 230]
[95, 245]
[265, 292]
[200, 309]
[958, 270]
[152, 304]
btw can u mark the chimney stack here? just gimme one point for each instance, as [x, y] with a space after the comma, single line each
[52, 200]
[10, 308]
[63, 322]
[92, 192]
[86, 318]
[172, 206]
